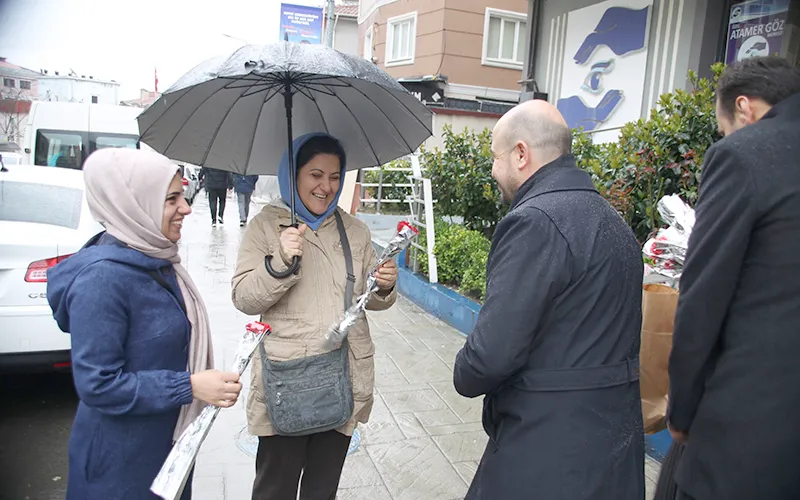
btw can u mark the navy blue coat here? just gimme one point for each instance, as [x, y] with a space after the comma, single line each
[556, 347]
[245, 183]
[130, 341]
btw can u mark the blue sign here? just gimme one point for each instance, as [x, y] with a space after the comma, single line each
[623, 32]
[301, 24]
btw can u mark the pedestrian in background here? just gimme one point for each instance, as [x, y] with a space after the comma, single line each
[141, 343]
[734, 371]
[217, 183]
[555, 350]
[244, 185]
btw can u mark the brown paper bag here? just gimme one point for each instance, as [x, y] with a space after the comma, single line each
[659, 304]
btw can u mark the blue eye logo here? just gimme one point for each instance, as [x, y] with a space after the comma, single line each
[592, 82]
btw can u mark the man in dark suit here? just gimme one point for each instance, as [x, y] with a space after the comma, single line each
[555, 350]
[735, 363]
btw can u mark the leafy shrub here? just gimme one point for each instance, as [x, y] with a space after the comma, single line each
[461, 178]
[461, 256]
[655, 157]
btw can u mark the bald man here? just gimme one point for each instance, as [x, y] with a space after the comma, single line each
[555, 350]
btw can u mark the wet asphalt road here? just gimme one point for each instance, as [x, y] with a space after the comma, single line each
[35, 419]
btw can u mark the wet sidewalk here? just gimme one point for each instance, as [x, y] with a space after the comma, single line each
[423, 440]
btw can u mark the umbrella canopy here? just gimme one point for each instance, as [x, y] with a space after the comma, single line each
[230, 112]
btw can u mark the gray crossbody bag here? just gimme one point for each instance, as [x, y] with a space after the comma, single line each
[312, 394]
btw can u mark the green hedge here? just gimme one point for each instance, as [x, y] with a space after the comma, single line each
[461, 256]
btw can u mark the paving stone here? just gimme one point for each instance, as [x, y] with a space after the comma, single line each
[410, 426]
[468, 410]
[422, 367]
[466, 470]
[462, 446]
[359, 471]
[368, 493]
[437, 418]
[413, 401]
[416, 469]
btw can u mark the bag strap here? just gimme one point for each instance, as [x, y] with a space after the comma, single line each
[348, 261]
[161, 281]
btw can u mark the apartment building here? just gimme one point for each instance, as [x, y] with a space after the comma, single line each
[463, 58]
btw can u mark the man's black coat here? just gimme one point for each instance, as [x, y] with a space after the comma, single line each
[556, 348]
[735, 363]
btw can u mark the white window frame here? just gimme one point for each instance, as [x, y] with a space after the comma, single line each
[368, 51]
[503, 15]
[412, 36]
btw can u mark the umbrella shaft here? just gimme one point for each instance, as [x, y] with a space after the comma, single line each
[287, 99]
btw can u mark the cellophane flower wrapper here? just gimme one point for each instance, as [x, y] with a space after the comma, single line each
[401, 240]
[668, 248]
[171, 479]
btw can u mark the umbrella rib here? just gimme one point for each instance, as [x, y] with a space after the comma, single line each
[303, 90]
[377, 160]
[404, 105]
[191, 115]
[221, 122]
[255, 128]
[408, 146]
[162, 114]
[321, 115]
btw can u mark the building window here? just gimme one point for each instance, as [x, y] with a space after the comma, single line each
[24, 84]
[94, 99]
[504, 38]
[368, 44]
[401, 35]
[9, 82]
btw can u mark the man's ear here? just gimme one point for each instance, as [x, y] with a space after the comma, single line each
[521, 155]
[745, 111]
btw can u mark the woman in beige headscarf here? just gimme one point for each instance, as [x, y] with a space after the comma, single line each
[141, 345]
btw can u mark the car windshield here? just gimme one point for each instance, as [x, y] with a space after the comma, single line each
[118, 141]
[40, 203]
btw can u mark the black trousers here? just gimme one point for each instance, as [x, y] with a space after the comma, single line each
[280, 460]
[214, 196]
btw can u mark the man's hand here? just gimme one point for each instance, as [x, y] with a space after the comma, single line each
[681, 437]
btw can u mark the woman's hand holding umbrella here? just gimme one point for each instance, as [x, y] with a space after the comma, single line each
[292, 243]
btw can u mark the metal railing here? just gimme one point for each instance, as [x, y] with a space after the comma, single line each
[379, 199]
[420, 205]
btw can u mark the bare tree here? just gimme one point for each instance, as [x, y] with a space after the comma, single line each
[14, 107]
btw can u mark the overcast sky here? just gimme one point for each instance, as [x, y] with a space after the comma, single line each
[126, 40]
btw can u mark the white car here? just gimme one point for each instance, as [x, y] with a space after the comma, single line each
[44, 219]
[190, 181]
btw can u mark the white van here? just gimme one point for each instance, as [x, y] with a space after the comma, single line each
[63, 134]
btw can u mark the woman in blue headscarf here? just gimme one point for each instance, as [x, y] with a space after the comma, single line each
[302, 307]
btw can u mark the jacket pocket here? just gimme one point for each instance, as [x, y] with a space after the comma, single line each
[98, 459]
[362, 372]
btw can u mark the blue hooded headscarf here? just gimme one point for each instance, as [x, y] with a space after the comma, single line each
[313, 221]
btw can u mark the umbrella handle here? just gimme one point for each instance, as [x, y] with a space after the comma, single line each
[292, 269]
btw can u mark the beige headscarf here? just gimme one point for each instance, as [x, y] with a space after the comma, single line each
[126, 190]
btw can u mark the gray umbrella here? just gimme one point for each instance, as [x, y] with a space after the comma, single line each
[228, 112]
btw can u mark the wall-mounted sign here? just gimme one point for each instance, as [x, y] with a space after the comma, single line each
[602, 83]
[301, 24]
[756, 28]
